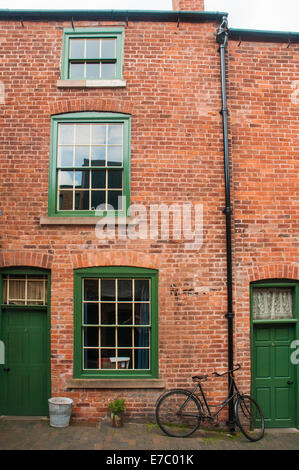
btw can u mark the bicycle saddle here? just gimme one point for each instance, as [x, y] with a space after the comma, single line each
[199, 377]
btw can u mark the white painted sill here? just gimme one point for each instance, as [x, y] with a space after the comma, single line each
[115, 383]
[91, 83]
[85, 220]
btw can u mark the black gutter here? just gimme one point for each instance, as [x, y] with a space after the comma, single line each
[126, 15]
[222, 39]
[260, 35]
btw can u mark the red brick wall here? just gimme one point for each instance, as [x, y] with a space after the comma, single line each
[189, 5]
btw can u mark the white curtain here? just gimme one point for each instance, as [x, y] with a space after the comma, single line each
[272, 303]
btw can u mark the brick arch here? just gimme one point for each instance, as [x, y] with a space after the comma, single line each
[25, 258]
[90, 104]
[273, 271]
[108, 258]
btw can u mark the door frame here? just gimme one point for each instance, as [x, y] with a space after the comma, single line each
[294, 321]
[29, 270]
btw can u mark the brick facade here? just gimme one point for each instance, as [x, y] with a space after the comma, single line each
[173, 94]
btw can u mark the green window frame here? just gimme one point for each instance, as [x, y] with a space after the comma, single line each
[92, 54]
[89, 164]
[116, 338]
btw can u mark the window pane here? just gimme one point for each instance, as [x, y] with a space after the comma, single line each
[98, 200]
[98, 156]
[82, 200]
[65, 156]
[76, 48]
[108, 290]
[92, 48]
[108, 48]
[114, 156]
[98, 134]
[107, 337]
[16, 292]
[66, 134]
[108, 314]
[91, 358]
[91, 314]
[108, 70]
[91, 336]
[77, 71]
[82, 156]
[124, 359]
[115, 133]
[98, 179]
[91, 289]
[82, 179]
[141, 289]
[35, 292]
[114, 199]
[125, 289]
[141, 337]
[142, 316]
[65, 200]
[92, 70]
[65, 179]
[124, 337]
[141, 358]
[115, 179]
[125, 315]
[82, 134]
[106, 356]
[272, 303]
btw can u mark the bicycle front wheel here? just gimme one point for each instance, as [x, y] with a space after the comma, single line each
[250, 418]
[178, 413]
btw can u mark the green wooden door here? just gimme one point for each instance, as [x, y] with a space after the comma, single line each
[24, 377]
[274, 374]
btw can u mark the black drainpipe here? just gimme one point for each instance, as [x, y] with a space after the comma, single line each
[222, 38]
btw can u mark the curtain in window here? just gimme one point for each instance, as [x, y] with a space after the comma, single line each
[272, 303]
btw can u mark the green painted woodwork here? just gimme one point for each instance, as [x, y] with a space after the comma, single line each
[115, 272]
[92, 33]
[271, 363]
[88, 117]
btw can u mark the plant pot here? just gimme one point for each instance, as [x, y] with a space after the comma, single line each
[117, 420]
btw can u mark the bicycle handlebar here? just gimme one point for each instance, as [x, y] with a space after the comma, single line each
[238, 366]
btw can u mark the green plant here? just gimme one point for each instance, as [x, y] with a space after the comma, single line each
[117, 406]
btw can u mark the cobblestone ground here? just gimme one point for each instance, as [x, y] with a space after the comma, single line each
[39, 435]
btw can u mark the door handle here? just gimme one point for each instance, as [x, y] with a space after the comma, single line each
[290, 382]
[6, 369]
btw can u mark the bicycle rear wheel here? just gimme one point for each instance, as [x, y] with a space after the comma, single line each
[178, 413]
[250, 418]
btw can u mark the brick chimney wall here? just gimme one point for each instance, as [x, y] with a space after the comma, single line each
[189, 5]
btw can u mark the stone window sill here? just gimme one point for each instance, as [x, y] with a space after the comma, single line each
[84, 220]
[115, 383]
[91, 83]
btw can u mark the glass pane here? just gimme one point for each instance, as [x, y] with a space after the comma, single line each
[82, 156]
[66, 134]
[92, 48]
[36, 291]
[65, 156]
[91, 336]
[98, 156]
[5, 292]
[141, 337]
[108, 337]
[125, 289]
[65, 200]
[108, 70]
[108, 314]
[82, 179]
[76, 48]
[124, 337]
[115, 179]
[108, 290]
[65, 179]
[77, 71]
[16, 292]
[114, 156]
[108, 48]
[98, 179]
[91, 314]
[125, 315]
[124, 359]
[91, 358]
[142, 316]
[98, 200]
[115, 134]
[91, 289]
[98, 133]
[141, 289]
[141, 358]
[82, 134]
[106, 356]
[115, 200]
[272, 303]
[82, 200]
[92, 70]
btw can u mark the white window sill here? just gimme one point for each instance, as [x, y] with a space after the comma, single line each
[115, 383]
[84, 220]
[91, 83]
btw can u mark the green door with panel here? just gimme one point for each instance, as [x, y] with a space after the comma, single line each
[24, 331]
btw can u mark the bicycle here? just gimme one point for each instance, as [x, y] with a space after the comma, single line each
[179, 412]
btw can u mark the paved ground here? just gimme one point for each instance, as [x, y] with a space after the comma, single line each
[16, 434]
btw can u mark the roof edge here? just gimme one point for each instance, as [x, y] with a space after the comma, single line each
[262, 35]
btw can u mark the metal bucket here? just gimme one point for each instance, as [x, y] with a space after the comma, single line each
[60, 409]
